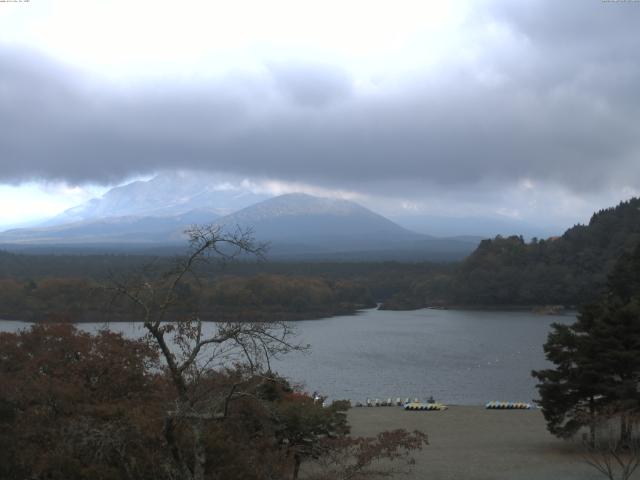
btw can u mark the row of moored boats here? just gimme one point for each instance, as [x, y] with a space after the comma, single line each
[407, 404]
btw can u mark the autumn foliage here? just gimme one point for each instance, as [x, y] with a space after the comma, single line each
[81, 406]
[76, 405]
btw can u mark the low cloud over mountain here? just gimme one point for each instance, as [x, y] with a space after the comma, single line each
[539, 92]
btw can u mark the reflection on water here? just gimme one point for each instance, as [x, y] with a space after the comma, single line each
[459, 357]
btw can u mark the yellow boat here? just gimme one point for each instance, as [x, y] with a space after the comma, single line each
[424, 406]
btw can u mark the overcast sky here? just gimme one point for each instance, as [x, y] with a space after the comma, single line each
[524, 109]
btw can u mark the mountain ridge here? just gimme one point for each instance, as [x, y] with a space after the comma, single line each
[297, 225]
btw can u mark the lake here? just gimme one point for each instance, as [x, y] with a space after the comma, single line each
[457, 356]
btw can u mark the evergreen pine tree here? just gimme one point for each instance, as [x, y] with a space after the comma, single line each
[597, 359]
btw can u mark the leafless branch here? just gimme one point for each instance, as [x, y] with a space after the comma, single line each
[182, 342]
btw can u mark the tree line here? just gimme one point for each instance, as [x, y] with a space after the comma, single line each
[260, 297]
[41, 287]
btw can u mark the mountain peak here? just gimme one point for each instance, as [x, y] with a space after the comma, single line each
[300, 204]
[308, 219]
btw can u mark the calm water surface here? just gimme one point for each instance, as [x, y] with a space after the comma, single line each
[459, 357]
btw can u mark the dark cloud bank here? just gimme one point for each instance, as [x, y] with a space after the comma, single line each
[560, 104]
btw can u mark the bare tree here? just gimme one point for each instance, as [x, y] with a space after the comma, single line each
[613, 447]
[191, 349]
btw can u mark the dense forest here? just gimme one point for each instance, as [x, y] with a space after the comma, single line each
[567, 270]
[76, 287]
[261, 297]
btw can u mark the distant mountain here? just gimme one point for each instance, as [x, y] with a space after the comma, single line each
[297, 226]
[304, 217]
[167, 194]
[112, 230]
[300, 225]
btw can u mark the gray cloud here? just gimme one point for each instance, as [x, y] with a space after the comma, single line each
[560, 105]
[309, 84]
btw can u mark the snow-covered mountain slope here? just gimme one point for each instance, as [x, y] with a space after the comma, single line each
[166, 194]
[110, 230]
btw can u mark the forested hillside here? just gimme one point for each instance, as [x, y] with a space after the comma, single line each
[567, 270]
[255, 298]
[41, 287]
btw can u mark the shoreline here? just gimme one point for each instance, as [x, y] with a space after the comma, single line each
[474, 443]
[282, 316]
[537, 309]
[319, 316]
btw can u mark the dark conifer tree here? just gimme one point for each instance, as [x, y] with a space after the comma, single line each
[597, 359]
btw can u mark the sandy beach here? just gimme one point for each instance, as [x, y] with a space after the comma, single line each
[472, 443]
